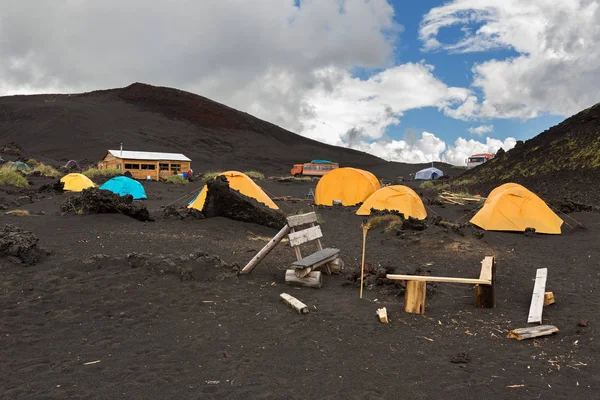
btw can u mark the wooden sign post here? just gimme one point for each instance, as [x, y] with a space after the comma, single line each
[365, 228]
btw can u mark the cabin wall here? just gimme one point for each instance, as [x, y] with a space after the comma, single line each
[141, 169]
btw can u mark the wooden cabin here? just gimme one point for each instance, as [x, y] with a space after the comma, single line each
[144, 164]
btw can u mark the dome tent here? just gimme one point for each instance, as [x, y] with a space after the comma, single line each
[76, 182]
[18, 165]
[240, 182]
[512, 207]
[429, 173]
[348, 185]
[399, 198]
[123, 186]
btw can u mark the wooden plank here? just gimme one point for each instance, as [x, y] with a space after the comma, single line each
[294, 303]
[319, 245]
[305, 235]
[317, 259]
[419, 278]
[303, 219]
[265, 250]
[314, 279]
[532, 332]
[537, 298]
[486, 268]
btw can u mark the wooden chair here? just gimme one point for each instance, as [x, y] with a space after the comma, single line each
[304, 229]
[485, 295]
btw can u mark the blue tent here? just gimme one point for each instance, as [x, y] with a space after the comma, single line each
[123, 186]
[429, 173]
[196, 196]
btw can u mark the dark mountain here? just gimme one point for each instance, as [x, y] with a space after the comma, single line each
[150, 118]
[561, 164]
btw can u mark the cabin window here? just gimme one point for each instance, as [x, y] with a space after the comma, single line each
[175, 167]
[149, 166]
[163, 167]
[132, 166]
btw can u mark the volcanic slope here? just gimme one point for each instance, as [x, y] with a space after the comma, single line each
[151, 118]
[561, 164]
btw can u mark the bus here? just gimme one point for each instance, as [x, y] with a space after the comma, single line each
[313, 168]
[478, 159]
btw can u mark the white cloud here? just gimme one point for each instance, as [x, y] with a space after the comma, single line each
[428, 148]
[557, 61]
[481, 129]
[463, 148]
[352, 106]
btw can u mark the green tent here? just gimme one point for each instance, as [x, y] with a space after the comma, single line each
[19, 166]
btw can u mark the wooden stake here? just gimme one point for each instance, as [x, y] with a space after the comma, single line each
[531, 332]
[365, 229]
[313, 279]
[382, 314]
[295, 303]
[414, 297]
[265, 250]
[548, 298]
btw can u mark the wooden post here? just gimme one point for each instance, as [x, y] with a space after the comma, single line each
[414, 297]
[265, 250]
[485, 295]
[313, 279]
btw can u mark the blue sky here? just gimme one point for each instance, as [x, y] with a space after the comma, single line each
[454, 70]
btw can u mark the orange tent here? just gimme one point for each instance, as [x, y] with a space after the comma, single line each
[348, 185]
[512, 207]
[399, 198]
[240, 182]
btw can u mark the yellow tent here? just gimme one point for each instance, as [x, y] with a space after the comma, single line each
[398, 197]
[243, 184]
[350, 185]
[511, 207]
[76, 182]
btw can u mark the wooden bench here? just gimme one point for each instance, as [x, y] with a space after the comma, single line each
[304, 229]
[485, 295]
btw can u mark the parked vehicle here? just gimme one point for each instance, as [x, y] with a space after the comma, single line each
[313, 168]
[478, 159]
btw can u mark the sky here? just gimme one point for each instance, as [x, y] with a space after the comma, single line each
[410, 81]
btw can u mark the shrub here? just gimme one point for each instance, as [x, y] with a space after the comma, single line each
[32, 162]
[18, 213]
[255, 175]
[209, 175]
[427, 185]
[290, 178]
[45, 170]
[177, 180]
[11, 177]
[107, 172]
[392, 220]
